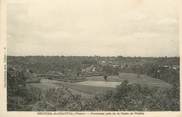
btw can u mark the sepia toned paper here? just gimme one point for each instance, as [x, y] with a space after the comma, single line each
[103, 30]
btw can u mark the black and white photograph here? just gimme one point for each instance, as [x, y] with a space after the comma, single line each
[93, 55]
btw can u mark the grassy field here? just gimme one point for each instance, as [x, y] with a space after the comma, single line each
[143, 80]
[89, 91]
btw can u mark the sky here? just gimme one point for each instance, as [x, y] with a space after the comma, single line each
[93, 27]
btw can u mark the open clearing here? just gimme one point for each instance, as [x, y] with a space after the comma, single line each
[132, 78]
[96, 84]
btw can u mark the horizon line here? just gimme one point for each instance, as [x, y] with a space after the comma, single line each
[89, 56]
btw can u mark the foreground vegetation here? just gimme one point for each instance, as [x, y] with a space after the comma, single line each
[126, 97]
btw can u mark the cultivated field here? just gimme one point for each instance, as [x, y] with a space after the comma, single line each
[96, 84]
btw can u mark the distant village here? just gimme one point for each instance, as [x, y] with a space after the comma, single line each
[103, 67]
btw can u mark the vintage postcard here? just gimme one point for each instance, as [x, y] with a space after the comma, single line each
[90, 58]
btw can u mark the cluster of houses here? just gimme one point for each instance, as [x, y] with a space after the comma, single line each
[92, 70]
[170, 67]
[96, 70]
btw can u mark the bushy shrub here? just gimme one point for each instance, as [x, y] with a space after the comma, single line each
[133, 97]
